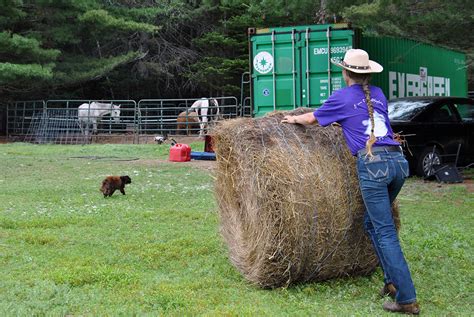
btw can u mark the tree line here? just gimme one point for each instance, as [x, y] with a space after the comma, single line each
[127, 49]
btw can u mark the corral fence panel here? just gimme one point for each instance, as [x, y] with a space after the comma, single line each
[116, 121]
[245, 101]
[246, 110]
[97, 121]
[57, 121]
[175, 116]
[20, 116]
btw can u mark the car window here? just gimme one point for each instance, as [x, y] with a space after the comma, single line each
[466, 112]
[405, 109]
[442, 114]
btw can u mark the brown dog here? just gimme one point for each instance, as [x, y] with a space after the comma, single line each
[111, 183]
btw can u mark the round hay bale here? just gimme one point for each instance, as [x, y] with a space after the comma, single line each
[290, 207]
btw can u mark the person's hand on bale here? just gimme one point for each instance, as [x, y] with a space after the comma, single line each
[288, 119]
[307, 118]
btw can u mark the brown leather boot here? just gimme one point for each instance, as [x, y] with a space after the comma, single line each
[388, 290]
[409, 309]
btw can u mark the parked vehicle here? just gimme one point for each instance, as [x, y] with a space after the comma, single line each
[439, 122]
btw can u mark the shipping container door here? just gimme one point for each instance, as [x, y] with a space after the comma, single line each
[275, 71]
[319, 47]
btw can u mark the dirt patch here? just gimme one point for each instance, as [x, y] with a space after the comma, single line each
[150, 139]
[469, 183]
[141, 139]
[119, 139]
[440, 187]
[201, 164]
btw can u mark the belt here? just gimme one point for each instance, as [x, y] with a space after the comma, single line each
[385, 148]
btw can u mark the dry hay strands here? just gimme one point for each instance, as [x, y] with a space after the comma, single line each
[290, 207]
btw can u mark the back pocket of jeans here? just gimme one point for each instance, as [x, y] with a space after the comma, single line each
[404, 167]
[377, 170]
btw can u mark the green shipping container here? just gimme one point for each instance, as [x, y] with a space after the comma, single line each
[290, 66]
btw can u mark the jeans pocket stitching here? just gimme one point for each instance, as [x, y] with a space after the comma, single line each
[379, 174]
[405, 170]
[376, 175]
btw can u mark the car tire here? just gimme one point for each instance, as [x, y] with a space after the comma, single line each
[426, 158]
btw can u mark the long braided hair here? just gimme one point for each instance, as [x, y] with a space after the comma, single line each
[364, 80]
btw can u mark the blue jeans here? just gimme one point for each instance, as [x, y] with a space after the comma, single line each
[381, 179]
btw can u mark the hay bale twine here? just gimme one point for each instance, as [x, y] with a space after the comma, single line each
[290, 207]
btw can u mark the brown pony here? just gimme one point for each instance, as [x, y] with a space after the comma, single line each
[111, 183]
[187, 122]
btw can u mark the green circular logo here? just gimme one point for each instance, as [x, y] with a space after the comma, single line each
[263, 62]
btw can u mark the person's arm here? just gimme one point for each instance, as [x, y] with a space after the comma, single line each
[305, 119]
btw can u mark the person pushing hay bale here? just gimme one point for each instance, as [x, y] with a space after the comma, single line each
[290, 207]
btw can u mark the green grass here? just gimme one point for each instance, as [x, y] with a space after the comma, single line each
[64, 249]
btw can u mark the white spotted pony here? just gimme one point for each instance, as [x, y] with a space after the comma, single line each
[207, 110]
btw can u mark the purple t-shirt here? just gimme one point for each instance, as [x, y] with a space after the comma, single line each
[347, 107]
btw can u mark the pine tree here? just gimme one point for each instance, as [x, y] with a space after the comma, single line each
[23, 60]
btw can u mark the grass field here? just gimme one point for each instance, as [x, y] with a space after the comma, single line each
[65, 250]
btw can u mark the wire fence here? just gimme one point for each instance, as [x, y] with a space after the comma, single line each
[54, 126]
[115, 121]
